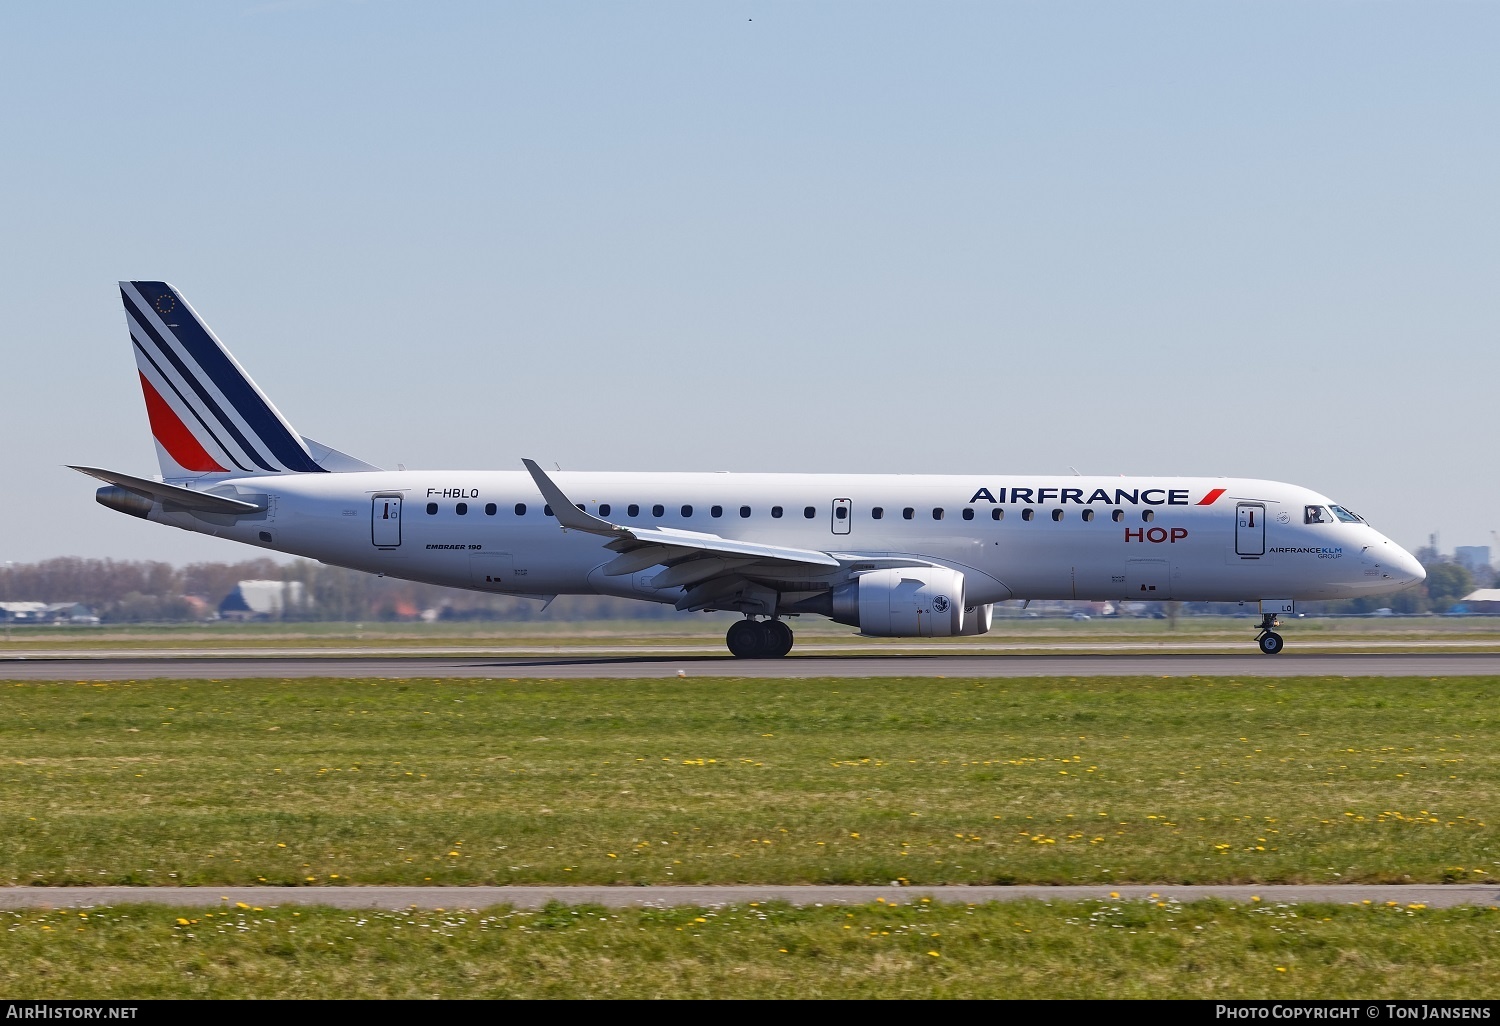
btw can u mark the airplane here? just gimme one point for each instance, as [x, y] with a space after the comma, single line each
[894, 555]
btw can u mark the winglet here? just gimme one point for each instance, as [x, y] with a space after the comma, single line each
[567, 514]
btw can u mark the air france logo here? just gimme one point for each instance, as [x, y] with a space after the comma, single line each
[940, 604]
[1118, 497]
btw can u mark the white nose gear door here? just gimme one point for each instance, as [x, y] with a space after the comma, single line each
[385, 521]
[1250, 529]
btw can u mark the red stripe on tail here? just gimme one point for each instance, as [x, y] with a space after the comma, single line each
[1211, 498]
[173, 434]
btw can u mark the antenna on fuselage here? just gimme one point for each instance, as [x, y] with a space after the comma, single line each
[1075, 471]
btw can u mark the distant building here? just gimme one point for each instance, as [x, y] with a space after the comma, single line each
[1485, 600]
[1473, 558]
[261, 600]
[46, 612]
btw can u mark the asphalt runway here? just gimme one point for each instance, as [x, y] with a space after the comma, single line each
[455, 898]
[583, 664]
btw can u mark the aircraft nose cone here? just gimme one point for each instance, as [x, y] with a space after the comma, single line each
[1391, 565]
[1406, 568]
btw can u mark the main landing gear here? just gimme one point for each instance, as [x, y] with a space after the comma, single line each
[769, 639]
[1269, 641]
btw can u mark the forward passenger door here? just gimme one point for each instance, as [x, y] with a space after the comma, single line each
[1250, 530]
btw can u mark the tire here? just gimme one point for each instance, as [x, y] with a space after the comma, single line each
[1271, 643]
[778, 638]
[745, 639]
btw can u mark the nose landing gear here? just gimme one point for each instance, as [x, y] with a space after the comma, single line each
[768, 639]
[1269, 641]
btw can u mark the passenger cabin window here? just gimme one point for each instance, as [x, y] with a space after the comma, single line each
[490, 509]
[877, 512]
[1117, 515]
[716, 511]
[1088, 515]
[1148, 515]
[432, 509]
[1316, 515]
[658, 510]
[462, 509]
[968, 512]
[809, 512]
[997, 513]
[604, 509]
[745, 512]
[1028, 514]
[1346, 516]
[547, 510]
[775, 512]
[687, 511]
[520, 509]
[633, 510]
[908, 513]
[937, 514]
[1057, 515]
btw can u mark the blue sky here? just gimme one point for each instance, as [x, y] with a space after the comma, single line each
[1256, 239]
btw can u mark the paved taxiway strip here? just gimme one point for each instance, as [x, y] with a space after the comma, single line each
[452, 898]
[585, 664]
[879, 650]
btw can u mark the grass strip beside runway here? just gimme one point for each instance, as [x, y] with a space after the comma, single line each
[294, 782]
[1023, 950]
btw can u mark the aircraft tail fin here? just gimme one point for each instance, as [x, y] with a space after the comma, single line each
[207, 416]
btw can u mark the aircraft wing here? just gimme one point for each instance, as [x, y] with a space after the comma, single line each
[671, 542]
[172, 495]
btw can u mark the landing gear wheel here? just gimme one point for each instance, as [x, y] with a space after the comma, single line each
[778, 638]
[1270, 643]
[746, 639]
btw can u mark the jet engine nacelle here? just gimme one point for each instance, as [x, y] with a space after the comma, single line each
[977, 619]
[903, 602]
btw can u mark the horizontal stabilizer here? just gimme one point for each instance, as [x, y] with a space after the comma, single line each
[182, 498]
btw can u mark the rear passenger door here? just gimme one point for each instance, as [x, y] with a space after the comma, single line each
[385, 521]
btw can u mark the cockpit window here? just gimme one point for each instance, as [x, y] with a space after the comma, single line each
[1347, 517]
[1316, 515]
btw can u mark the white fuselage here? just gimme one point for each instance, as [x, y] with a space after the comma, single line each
[1084, 538]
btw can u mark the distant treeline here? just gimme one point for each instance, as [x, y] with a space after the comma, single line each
[126, 591]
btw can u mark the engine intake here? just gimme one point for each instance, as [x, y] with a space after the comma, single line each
[903, 602]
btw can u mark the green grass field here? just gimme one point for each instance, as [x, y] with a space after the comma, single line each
[741, 780]
[1021, 950]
